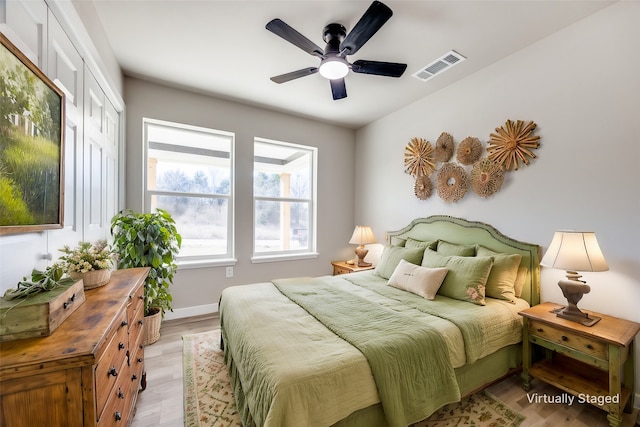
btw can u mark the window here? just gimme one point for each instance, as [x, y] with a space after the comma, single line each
[190, 175]
[284, 191]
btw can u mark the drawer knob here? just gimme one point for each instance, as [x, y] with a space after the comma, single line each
[124, 323]
[139, 359]
[564, 338]
[112, 371]
[539, 329]
[120, 394]
[140, 322]
[121, 346]
[141, 297]
[589, 346]
[118, 416]
[134, 377]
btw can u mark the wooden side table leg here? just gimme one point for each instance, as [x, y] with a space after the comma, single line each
[629, 377]
[615, 386]
[526, 356]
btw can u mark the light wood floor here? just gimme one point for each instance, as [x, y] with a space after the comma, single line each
[161, 404]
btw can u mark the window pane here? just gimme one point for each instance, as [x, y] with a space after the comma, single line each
[281, 226]
[282, 171]
[201, 221]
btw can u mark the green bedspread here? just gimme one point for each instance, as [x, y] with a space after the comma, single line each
[408, 357]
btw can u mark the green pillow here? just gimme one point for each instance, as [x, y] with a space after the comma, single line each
[397, 241]
[467, 276]
[413, 243]
[451, 249]
[391, 256]
[502, 278]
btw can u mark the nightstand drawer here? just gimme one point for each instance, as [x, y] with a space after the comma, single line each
[340, 270]
[579, 343]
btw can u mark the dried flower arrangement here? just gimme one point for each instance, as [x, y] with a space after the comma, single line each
[87, 257]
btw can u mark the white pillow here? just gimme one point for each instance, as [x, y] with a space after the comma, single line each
[423, 281]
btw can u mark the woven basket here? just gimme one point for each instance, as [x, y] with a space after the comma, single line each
[152, 328]
[92, 279]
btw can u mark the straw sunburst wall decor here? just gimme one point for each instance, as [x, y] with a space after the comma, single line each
[512, 143]
[423, 187]
[418, 158]
[486, 177]
[452, 182]
[469, 150]
[444, 147]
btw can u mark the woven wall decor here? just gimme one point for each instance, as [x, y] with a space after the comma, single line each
[418, 158]
[512, 143]
[486, 177]
[452, 182]
[423, 187]
[444, 147]
[469, 150]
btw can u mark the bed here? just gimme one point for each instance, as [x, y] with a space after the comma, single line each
[384, 347]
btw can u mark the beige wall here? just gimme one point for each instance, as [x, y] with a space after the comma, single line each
[193, 288]
[581, 87]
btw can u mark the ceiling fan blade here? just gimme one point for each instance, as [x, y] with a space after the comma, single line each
[282, 29]
[389, 69]
[338, 88]
[282, 78]
[372, 20]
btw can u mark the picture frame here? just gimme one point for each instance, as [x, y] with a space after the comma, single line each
[32, 112]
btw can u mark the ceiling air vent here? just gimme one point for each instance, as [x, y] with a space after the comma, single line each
[438, 66]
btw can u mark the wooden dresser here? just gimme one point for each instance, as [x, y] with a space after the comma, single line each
[89, 371]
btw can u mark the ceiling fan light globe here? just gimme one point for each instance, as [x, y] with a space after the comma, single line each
[333, 68]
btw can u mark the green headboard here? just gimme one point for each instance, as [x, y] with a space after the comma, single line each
[463, 232]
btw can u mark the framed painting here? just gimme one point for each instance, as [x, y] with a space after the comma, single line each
[31, 145]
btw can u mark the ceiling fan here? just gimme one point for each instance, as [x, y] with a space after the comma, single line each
[333, 63]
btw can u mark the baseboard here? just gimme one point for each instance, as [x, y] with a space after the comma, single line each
[181, 313]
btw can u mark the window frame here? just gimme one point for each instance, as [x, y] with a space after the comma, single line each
[195, 261]
[288, 255]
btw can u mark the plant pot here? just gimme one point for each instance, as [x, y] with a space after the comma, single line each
[152, 327]
[92, 279]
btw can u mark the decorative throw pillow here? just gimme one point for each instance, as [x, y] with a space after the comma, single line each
[521, 278]
[413, 243]
[419, 280]
[467, 276]
[391, 257]
[397, 241]
[451, 249]
[502, 278]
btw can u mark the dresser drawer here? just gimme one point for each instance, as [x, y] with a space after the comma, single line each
[117, 407]
[136, 302]
[579, 343]
[113, 360]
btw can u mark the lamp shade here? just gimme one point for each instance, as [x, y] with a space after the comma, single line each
[362, 235]
[576, 251]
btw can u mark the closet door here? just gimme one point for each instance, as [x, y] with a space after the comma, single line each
[101, 141]
[66, 69]
[25, 24]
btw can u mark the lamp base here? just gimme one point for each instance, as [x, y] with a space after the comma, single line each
[361, 252]
[578, 317]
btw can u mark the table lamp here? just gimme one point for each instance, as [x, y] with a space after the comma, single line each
[575, 251]
[362, 235]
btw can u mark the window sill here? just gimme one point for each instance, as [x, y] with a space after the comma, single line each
[205, 263]
[257, 259]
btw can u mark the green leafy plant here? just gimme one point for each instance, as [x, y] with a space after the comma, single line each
[148, 240]
[41, 281]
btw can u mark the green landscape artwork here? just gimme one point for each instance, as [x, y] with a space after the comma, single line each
[31, 145]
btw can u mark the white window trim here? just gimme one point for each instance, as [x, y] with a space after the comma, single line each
[291, 255]
[229, 258]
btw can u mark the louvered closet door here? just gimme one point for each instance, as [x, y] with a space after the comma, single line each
[66, 70]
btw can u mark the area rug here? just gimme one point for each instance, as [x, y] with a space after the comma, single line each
[208, 400]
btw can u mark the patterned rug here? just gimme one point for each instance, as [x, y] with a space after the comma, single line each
[208, 400]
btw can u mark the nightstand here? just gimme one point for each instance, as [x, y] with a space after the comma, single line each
[587, 362]
[341, 267]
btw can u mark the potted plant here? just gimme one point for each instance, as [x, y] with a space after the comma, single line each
[88, 261]
[149, 240]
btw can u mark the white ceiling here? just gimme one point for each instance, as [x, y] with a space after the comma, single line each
[221, 47]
